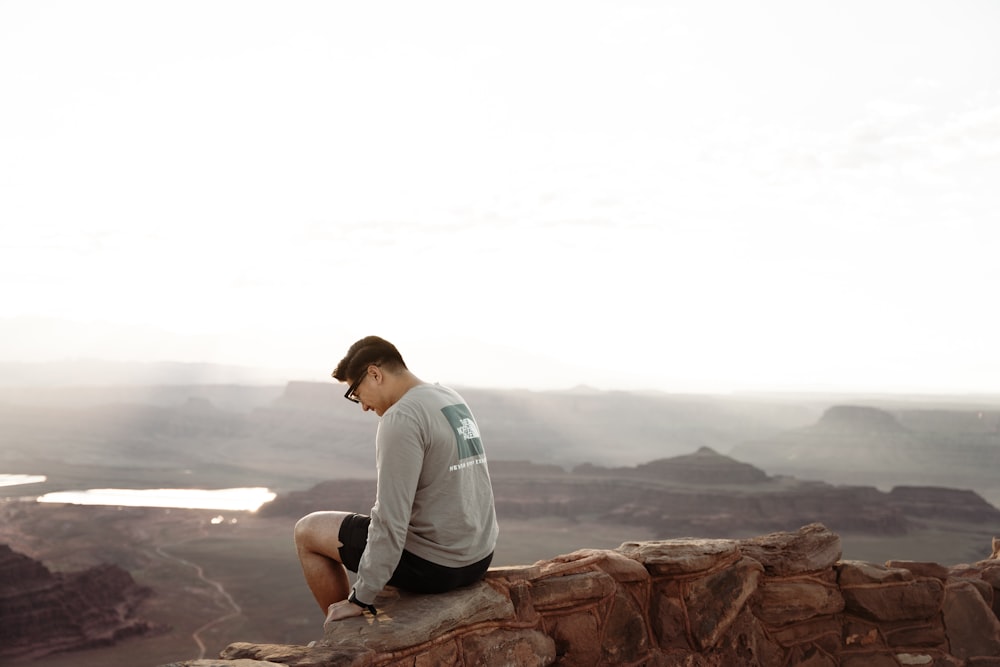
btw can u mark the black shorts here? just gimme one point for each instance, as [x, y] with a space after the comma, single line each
[413, 573]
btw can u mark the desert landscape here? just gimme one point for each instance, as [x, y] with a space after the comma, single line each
[702, 271]
[896, 477]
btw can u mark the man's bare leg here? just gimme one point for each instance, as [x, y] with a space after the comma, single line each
[317, 540]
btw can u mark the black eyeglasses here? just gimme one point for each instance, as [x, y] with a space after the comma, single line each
[354, 387]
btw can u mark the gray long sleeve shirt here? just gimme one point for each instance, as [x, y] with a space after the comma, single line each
[434, 497]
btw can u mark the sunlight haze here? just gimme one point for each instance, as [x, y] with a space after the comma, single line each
[678, 196]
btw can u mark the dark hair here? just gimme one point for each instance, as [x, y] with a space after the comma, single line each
[365, 352]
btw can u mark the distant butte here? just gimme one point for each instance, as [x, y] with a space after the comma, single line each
[705, 466]
[859, 419]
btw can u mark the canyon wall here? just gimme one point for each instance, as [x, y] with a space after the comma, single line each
[44, 612]
[704, 493]
[776, 600]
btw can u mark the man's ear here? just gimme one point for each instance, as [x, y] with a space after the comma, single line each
[376, 373]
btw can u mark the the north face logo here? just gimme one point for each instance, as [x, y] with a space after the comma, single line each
[468, 429]
[467, 435]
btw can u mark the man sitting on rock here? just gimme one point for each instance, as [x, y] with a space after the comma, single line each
[433, 527]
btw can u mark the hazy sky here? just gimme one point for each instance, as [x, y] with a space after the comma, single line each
[676, 195]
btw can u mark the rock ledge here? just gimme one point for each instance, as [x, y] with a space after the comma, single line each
[779, 599]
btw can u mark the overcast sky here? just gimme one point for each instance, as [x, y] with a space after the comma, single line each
[687, 195]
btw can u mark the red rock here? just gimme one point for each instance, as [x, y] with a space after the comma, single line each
[812, 548]
[786, 601]
[626, 638]
[971, 626]
[682, 556]
[406, 619]
[911, 600]
[714, 601]
[707, 610]
[577, 638]
[513, 648]
[874, 659]
[919, 568]
[853, 572]
[571, 590]
[915, 635]
[669, 618]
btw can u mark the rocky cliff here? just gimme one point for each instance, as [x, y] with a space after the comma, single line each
[780, 599]
[43, 612]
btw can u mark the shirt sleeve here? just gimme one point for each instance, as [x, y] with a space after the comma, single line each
[399, 455]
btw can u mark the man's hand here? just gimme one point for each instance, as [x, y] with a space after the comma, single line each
[341, 610]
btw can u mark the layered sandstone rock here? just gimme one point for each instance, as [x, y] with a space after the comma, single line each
[43, 612]
[781, 599]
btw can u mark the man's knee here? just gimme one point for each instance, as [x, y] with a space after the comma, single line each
[319, 531]
[307, 527]
[302, 528]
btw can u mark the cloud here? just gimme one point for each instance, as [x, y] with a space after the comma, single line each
[893, 109]
[903, 135]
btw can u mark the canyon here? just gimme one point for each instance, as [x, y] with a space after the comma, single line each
[703, 493]
[892, 478]
[42, 612]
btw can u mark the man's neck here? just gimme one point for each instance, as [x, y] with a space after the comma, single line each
[403, 383]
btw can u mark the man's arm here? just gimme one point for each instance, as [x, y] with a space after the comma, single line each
[399, 457]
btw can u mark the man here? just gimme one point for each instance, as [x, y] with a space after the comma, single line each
[433, 527]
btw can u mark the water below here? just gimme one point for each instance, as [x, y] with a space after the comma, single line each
[17, 480]
[247, 499]
[238, 499]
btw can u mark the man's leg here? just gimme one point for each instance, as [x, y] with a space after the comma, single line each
[317, 540]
